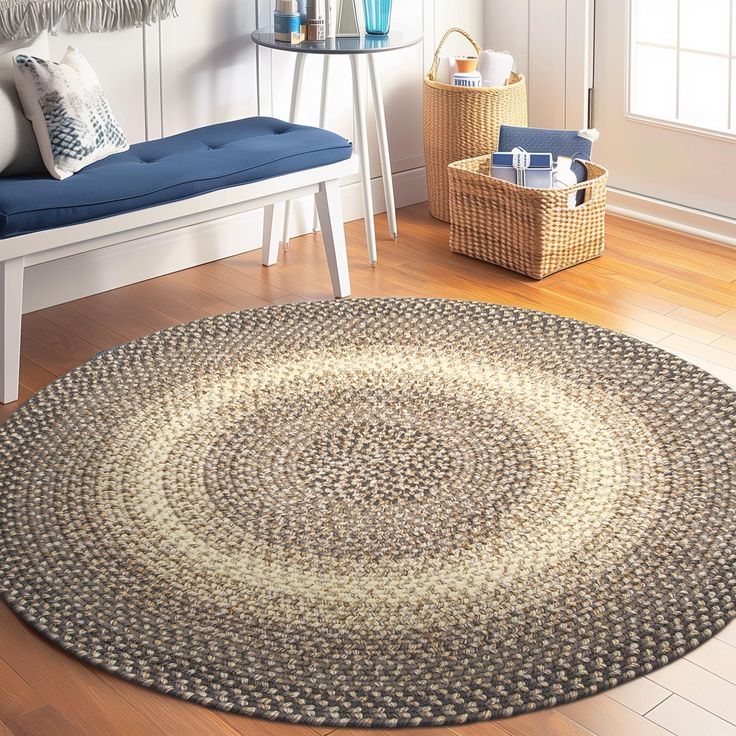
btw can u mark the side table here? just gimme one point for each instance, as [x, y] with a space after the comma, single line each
[357, 49]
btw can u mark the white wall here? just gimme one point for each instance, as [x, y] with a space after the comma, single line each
[549, 40]
[203, 68]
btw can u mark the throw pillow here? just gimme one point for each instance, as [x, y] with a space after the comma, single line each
[71, 117]
[19, 154]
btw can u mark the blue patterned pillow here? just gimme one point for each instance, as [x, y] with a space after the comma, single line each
[71, 117]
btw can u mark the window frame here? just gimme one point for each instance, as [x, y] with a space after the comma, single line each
[727, 134]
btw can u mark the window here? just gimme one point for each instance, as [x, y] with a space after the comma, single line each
[683, 62]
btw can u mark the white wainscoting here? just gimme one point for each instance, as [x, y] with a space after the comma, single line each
[202, 68]
[548, 39]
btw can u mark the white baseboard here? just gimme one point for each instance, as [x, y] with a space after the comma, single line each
[66, 279]
[410, 187]
[60, 281]
[673, 216]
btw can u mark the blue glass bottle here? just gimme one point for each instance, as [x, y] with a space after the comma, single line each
[377, 17]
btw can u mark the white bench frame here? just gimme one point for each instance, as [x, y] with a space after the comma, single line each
[271, 194]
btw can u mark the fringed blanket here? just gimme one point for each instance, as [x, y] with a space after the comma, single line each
[26, 18]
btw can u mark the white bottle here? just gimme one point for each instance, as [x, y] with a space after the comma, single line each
[565, 177]
[446, 69]
[331, 18]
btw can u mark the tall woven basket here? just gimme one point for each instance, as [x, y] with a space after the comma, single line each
[463, 122]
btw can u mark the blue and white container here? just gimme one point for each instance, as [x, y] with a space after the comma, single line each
[467, 79]
[525, 169]
[287, 25]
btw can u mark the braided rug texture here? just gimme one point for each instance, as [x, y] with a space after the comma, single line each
[374, 512]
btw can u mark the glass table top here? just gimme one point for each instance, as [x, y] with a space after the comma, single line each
[396, 39]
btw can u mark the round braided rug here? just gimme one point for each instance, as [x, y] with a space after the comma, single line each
[374, 512]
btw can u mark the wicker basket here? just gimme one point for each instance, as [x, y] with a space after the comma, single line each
[462, 122]
[532, 231]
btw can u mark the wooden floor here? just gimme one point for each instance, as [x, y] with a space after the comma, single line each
[669, 289]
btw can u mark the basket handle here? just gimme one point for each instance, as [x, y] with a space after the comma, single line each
[432, 75]
[591, 184]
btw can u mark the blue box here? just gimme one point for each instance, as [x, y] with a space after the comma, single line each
[568, 143]
[525, 169]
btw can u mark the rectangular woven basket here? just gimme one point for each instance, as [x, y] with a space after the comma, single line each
[532, 231]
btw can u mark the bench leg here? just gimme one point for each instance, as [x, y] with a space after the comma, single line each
[273, 221]
[11, 297]
[329, 208]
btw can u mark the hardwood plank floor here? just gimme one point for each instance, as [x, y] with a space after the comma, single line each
[673, 290]
[640, 695]
[43, 722]
[684, 718]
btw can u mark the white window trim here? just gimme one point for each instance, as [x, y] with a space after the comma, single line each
[682, 127]
[727, 134]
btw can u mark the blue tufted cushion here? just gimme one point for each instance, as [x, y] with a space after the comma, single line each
[167, 170]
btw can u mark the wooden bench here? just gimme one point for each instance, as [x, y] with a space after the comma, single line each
[270, 193]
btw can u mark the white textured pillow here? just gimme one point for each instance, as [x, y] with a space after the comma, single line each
[19, 152]
[71, 117]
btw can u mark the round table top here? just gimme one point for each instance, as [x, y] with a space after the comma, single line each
[396, 39]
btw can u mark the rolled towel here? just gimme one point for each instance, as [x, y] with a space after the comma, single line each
[495, 68]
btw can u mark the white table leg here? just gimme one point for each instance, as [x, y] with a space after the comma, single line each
[361, 140]
[296, 90]
[323, 115]
[388, 183]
